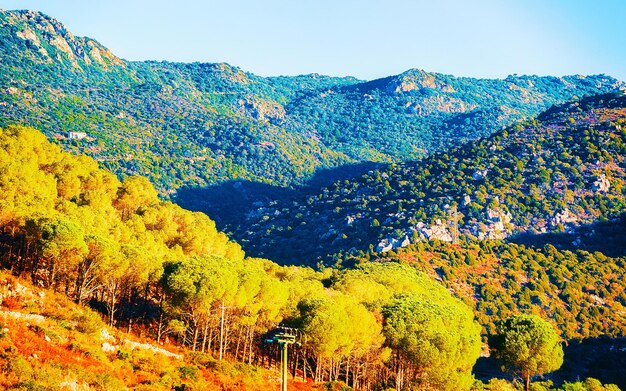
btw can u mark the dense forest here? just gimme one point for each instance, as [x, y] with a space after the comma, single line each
[201, 124]
[554, 174]
[73, 227]
[149, 265]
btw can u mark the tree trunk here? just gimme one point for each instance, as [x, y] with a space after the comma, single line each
[250, 341]
[205, 332]
[317, 370]
[210, 347]
[239, 343]
[195, 336]
[348, 370]
[160, 327]
[113, 288]
[294, 360]
[222, 332]
[399, 377]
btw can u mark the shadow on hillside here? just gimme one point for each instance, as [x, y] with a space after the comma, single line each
[230, 202]
[601, 358]
[326, 176]
[608, 238]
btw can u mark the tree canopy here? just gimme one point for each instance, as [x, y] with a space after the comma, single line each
[528, 345]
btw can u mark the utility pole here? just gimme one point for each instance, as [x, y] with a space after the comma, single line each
[284, 336]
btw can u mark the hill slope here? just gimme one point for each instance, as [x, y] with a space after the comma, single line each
[150, 266]
[50, 343]
[198, 124]
[553, 174]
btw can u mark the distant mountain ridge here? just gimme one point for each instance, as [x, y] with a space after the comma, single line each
[200, 124]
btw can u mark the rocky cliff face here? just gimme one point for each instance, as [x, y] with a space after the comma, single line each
[47, 41]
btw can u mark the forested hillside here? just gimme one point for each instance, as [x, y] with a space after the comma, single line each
[200, 124]
[584, 293]
[150, 266]
[554, 174]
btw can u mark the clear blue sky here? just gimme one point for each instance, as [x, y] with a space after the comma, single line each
[362, 38]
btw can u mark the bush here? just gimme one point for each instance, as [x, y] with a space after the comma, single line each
[106, 382]
[188, 372]
[541, 386]
[202, 360]
[500, 385]
[590, 384]
[336, 386]
[123, 354]
[20, 367]
[87, 321]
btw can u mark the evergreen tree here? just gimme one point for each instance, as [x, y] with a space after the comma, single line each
[528, 346]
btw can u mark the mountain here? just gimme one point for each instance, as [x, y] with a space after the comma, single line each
[556, 174]
[175, 123]
[416, 113]
[201, 124]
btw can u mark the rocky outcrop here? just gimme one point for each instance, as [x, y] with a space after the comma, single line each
[416, 79]
[466, 200]
[564, 217]
[264, 110]
[601, 184]
[392, 244]
[480, 174]
[438, 231]
[53, 42]
[497, 227]
[132, 345]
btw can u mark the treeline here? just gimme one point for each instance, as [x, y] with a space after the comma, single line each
[151, 265]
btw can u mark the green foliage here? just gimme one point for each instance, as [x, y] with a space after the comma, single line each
[590, 384]
[115, 243]
[336, 386]
[528, 346]
[508, 279]
[87, 321]
[123, 354]
[198, 124]
[437, 342]
[499, 385]
[486, 189]
[188, 372]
